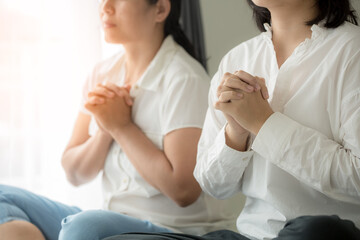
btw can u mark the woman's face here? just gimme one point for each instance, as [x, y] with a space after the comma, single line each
[272, 3]
[302, 9]
[285, 4]
[127, 21]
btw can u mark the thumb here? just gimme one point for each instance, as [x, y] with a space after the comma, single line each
[127, 87]
[263, 89]
[125, 93]
[90, 107]
[129, 100]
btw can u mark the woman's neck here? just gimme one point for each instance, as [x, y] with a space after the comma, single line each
[289, 28]
[138, 56]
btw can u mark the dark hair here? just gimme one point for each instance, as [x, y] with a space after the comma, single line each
[334, 12]
[172, 27]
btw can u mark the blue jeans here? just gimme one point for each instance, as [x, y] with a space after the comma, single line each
[300, 228]
[99, 224]
[49, 216]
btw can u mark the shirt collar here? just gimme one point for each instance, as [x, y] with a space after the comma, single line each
[152, 76]
[268, 31]
[318, 32]
[317, 29]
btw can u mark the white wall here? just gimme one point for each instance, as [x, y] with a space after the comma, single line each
[228, 23]
[356, 5]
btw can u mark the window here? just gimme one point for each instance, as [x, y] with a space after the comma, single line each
[47, 47]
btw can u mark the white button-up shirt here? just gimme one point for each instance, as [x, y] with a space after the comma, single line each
[171, 94]
[305, 159]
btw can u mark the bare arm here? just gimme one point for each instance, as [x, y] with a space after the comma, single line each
[171, 170]
[85, 155]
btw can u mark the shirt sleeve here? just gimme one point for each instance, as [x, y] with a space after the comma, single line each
[326, 165]
[185, 103]
[219, 168]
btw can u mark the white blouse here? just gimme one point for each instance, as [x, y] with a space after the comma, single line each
[170, 95]
[306, 158]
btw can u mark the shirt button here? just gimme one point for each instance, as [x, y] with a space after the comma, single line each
[125, 181]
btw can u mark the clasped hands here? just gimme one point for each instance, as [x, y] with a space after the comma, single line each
[243, 100]
[110, 106]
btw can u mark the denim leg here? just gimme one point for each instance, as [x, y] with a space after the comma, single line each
[216, 235]
[98, 224]
[19, 204]
[319, 228]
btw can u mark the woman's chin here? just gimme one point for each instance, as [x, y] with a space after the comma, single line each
[112, 40]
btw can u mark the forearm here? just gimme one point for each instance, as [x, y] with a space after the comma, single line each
[83, 162]
[235, 140]
[156, 168]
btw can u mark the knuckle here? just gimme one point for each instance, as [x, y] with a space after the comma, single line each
[227, 74]
[226, 89]
[217, 105]
[97, 89]
[218, 93]
[250, 80]
[241, 72]
[259, 80]
[221, 96]
[243, 84]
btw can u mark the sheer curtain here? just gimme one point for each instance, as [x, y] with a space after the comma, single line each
[47, 47]
[191, 21]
